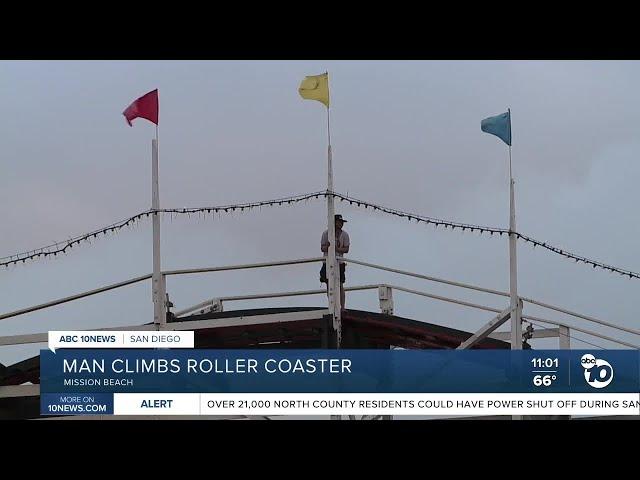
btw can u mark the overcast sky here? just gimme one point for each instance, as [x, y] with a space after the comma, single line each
[405, 135]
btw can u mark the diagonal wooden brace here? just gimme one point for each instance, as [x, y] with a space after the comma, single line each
[486, 330]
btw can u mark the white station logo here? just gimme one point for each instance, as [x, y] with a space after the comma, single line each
[597, 372]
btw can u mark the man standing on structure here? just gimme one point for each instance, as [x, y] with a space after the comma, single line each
[342, 247]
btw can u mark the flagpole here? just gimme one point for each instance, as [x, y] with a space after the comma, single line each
[332, 268]
[510, 170]
[158, 289]
[516, 325]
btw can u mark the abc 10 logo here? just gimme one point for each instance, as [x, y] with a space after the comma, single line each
[597, 372]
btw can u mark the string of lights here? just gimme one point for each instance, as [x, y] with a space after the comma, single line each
[491, 230]
[421, 218]
[57, 248]
[63, 247]
[241, 207]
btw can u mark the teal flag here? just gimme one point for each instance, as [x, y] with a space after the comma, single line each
[500, 126]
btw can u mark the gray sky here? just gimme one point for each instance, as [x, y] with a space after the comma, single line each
[404, 134]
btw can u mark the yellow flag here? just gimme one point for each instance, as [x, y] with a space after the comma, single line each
[315, 87]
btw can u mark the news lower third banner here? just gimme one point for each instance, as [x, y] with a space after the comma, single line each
[339, 382]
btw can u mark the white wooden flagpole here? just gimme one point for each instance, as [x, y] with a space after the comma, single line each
[516, 325]
[159, 316]
[332, 267]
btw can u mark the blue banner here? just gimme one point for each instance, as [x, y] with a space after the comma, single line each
[337, 371]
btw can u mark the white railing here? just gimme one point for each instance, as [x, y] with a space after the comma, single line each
[384, 293]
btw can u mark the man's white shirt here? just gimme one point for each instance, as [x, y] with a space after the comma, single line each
[343, 241]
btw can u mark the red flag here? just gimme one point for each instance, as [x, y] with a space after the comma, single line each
[144, 107]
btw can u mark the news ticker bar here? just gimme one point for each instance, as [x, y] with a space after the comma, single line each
[435, 404]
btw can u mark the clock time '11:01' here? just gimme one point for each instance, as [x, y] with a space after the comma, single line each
[544, 363]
